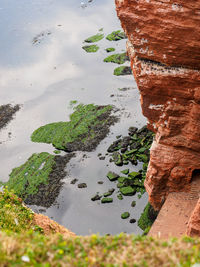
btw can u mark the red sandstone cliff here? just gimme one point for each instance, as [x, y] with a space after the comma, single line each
[164, 48]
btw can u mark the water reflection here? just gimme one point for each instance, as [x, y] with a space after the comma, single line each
[45, 77]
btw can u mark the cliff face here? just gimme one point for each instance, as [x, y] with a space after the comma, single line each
[164, 48]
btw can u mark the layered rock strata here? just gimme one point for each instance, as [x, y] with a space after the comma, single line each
[164, 48]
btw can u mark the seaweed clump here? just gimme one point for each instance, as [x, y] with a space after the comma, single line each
[6, 114]
[122, 70]
[116, 36]
[147, 218]
[95, 38]
[91, 48]
[117, 58]
[88, 125]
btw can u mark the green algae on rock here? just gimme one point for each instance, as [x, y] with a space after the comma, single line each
[106, 200]
[122, 70]
[110, 49]
[116, 36]
[117, 58]
[91, 48]
[88, 125]
[125, 215]
[147, 217]
[95, 38]
[38, 180]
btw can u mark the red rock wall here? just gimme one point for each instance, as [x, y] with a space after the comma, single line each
[164, 47]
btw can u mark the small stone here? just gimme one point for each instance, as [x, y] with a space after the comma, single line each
[100, 182]
[109, 193]
[96, 197]
[132, 220]
[133, 204]
[82, 185]
[112, 176]
[125, 215]
[74, 181]
[106, 200]
[102, 158]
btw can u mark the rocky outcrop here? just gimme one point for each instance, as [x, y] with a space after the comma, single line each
[164, 48]
[194, 222]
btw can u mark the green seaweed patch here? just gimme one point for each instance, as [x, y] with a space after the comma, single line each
[116, 36]
[110, 49]
[127, 191]
[91, 48]
[117, 58]
[106, 200]
[122, 70]
[95, 38]
[38, 180]
[147, 217]
[88, 125]
[125, 215]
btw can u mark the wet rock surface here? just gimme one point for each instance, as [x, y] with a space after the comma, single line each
[6, 114]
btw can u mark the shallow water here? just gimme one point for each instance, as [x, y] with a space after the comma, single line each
[44, 76]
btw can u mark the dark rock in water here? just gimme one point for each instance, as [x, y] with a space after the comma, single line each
[102, 158]
[6, 114]
[133, 204]
[82, 185]
[96, 197]
[116, 36]
[74, 181]
[125, 215]
[100, 182]
[112, 176]
[109, 193]
[114, 146]
[132, 220]
[120, 197]
[132, 130]
[106, 200]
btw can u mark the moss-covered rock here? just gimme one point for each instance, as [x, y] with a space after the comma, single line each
[112, 176]
[125, 215]
[106, 200]
[38, 180]
[88, 125]
[116, 36]
[147, 217]
[122, 70]
[117, 58]
[127, 191]
[91, 48]
[95, 38]
[110, 49]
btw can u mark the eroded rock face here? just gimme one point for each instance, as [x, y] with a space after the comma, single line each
[193, 228]
[164, 48]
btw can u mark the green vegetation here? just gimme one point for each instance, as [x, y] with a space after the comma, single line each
[122, 70]
[26, 179]
[125, 215]
[116, 36]
[13, 215]
[88, 125]
[117, 58]
[110, 49]
[127, 191]
[34, 249]
[94, 38]
[91, 48]
[147, 217]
